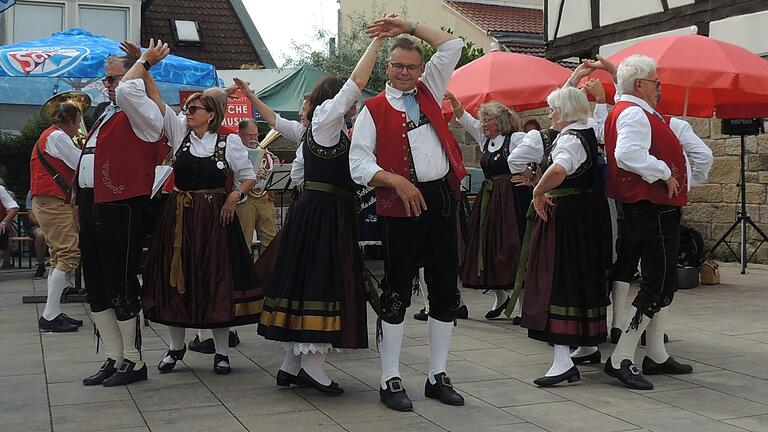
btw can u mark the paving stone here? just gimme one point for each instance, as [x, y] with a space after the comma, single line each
[96, 416]
[674, 419]
[753, 423]
[196, 419]
[475, 414]
[507, 392]
[74, 393]
[293, 422]
[569, 416]
[710, 403]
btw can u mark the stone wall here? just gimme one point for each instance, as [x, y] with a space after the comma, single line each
[712, 206]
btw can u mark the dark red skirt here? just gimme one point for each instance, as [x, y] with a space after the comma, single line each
[565, 285]
[221, 287]
[504, 229]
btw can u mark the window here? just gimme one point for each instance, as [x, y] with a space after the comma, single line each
[186, 32]
[36, 20]
[111, 23]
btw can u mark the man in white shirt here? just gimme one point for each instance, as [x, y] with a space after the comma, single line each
[402, 146]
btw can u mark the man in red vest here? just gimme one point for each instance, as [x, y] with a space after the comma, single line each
[52, 167]
[114, 181]
[647, 176]
[402, 146]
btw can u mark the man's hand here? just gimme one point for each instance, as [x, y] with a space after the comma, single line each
[411, 196]
[596, 89]
[228, 210]
[673, 187]
[581, 71]
[601, 63]
[388, 26]
[243, 86]
[156, 52]
[130, 49]
[231, 89]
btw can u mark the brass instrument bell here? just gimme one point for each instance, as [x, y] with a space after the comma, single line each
[75, 97]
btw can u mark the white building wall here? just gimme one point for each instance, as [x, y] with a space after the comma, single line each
[749, 31]
[577, 17]
[610, 49]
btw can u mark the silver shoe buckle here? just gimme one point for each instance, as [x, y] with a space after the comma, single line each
[446, 381]
[396, 386]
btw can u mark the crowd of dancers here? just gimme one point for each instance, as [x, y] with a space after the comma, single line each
[560, 217]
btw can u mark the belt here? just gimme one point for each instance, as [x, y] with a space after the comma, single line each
[485, 196]
[89, 150]
[329, 188]
[183, 200]
[522, 264]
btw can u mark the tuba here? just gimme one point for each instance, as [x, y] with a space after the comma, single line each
[75, 97]
[267, 163]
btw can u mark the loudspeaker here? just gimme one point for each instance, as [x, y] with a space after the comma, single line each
[749, 126]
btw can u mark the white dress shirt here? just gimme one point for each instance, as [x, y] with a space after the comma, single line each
[633, 142]
[294, 131]
[60, 146]
[531, 148]
[143, 114]
[429, 158]
[698, 156]
[475, 129]
[6, 199]
[236, 154]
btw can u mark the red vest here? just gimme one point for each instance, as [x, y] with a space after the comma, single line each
[124, 164]
[628, 187]
[392, 145]
[42, 183]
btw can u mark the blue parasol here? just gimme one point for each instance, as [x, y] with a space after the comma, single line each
[33, 71]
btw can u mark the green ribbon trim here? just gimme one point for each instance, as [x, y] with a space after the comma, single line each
[485, 196]
[522, 264]
[578, 312]
[300, 305]
[325, 187]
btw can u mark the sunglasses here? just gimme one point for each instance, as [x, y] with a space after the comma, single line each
[110, 79]
[193, 109]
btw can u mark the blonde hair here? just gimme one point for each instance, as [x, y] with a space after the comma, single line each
[506, 118]
[571, 102]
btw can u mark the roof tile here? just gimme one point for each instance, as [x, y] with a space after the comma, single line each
[501, 18]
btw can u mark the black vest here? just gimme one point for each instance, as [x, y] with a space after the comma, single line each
[327, 164]
[585, 176]
[495, 163]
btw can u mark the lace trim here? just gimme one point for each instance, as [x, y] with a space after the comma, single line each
[309, 347]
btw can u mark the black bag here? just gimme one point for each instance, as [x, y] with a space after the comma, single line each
[691, 251]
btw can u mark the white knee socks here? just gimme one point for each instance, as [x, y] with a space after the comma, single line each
[625, 349]
[128, 332]
[291, 361]
[204, 334]
[561, 362]
[584, 351]
[389, 350]
[619, 293]
[106, 323]
[654, 338]
[313, 363]
[221, 340]
[439, 341]
[501, 297]
[177, 337]
[57, 281]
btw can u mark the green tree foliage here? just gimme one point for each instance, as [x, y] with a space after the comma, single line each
[469, 51]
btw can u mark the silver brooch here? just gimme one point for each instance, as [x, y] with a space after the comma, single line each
[222, 144]
[220, 165]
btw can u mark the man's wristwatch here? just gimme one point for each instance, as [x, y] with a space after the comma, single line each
[144, 63]
[240, 196]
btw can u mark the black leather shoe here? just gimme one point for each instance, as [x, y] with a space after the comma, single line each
[285, 379]
[443, 390]
[462, 312]
[56, 325]
[205, 347]
[332, 389]
[495, 313]
[126, 375]
[106, 370]
[421, 315]
[175, 355]
[394, 396]
[73, 321]
[571, 375]
[628, 374]
[642, 339]
[593, 358]
[615, 335]
[670, 367]
[517, 320]
[40, 272]
[234, 339]
[221, 370]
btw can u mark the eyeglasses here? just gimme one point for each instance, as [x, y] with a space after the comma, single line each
[192, 109]
[402, 66]
[656, 82]
[110, 79]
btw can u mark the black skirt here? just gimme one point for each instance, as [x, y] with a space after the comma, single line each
[315, 292]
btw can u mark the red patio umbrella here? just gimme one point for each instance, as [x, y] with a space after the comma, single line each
[516, 80]
[702, 76]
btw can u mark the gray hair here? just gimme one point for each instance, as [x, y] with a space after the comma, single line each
[633, 68]
[571, 102]
[506, 118]
[126, 61]
[244, 123]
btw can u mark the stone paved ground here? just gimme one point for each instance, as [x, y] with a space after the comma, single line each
[720, 329]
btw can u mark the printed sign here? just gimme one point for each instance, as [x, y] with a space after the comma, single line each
[41, 62]
[238, 108]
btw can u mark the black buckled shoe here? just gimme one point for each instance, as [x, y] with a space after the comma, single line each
[615, 335]
[669, 367]
[224, 368]
[394, 396]
[56, 325]
[204, 347]
[443, 391]
[517, 320]
[175, 355]
[40, 272]
[73, 321]
[332, 388]
[495, 313]
[628, 374]
[642, 339]
[593, 358]
[126, 374]
[106, 370]
[571, 375]
[421, 315]
[234, 339]
[285, 379]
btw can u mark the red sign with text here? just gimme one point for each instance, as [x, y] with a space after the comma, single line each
[238, 108]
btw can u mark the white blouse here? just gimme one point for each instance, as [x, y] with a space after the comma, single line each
[475, 129]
